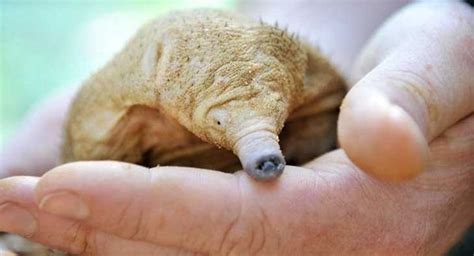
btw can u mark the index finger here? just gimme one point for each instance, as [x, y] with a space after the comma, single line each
[198, 210]
[170, 206]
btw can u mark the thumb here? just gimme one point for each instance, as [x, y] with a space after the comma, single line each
[422, 87]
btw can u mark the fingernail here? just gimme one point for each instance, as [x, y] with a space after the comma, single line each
[15, 219]
[65, 204]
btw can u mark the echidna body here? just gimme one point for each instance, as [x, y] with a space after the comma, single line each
[194, 80]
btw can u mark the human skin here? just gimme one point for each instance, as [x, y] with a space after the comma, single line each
[412, 94]
[326, 207]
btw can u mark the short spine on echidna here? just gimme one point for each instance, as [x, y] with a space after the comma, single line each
[213, 75]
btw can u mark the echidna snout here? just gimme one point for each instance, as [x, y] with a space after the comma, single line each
[267, 167]
[260, 155]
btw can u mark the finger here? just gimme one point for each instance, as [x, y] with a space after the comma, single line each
[199, 210]
[6, 253]
[167, 205]
[191, 207]
[19, 210]
[422, 87]
[20, 215]
[34, 149]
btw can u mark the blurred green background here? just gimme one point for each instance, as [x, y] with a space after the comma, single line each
[47, 45]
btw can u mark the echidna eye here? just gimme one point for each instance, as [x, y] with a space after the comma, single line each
[218, 117]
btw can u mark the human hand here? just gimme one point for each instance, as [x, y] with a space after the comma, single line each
[328, 207]
[414, 81]
[34, 149]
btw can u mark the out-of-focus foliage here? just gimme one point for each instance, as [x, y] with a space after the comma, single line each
[46, 45]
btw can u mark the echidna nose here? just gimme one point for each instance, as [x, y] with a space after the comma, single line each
[268, 167]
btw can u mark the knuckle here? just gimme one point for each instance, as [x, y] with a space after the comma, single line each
[420, 89]
[79, 239]
[228, 243]
[131, 221]
[263, 233]
[245, 237]
[250, 232]
[139, 229]
[231, 231]
[10, 183]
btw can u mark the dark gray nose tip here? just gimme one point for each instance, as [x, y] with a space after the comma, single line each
[267, 167]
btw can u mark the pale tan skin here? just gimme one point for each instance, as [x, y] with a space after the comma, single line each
[207, 76]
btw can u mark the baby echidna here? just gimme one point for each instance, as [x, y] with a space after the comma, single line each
[194, 85]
